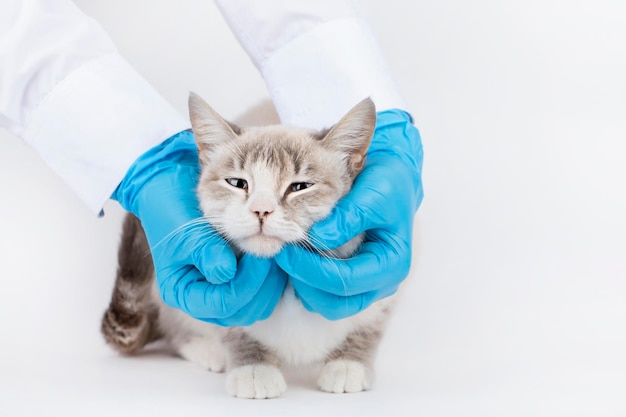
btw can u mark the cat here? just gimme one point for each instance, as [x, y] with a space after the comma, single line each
[276, 180]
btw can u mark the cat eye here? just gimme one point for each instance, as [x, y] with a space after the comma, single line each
[299, 186]
[238, 183]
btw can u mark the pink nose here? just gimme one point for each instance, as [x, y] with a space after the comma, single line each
[262, 214]
[262, 207]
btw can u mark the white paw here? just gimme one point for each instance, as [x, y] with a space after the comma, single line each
[203, 351]
[344, 376]
[255, 381]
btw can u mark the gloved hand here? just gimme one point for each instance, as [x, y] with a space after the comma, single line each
[196, 270]
[382, 203]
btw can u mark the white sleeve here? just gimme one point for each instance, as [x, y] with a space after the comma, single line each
[318, 58]
[67, 92]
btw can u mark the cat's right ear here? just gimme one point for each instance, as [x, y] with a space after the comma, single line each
[209, 128]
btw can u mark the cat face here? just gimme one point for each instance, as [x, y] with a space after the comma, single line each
[262, 187]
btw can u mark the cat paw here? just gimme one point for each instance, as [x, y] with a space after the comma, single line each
[205, 352]
[341, 376]
[255, 381]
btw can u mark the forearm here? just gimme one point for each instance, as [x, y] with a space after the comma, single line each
[67, 92]
[317, 58]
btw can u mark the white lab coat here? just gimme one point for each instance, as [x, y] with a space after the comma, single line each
[69, 94]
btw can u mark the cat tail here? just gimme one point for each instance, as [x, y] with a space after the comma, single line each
[131, 321]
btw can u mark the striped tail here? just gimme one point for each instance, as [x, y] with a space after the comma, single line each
[131, 321]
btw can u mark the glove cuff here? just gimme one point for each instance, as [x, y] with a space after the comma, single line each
[395, 131]
[396, 135]
[178, 150]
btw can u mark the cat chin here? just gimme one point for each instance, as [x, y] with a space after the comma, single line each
[261, 245]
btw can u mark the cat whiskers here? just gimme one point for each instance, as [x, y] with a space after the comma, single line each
[180, 231]
[316, 245]
[216, 223]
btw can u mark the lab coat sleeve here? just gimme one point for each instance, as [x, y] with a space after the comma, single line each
[69, 94]
[318, 58]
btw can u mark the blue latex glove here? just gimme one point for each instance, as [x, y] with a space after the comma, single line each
[382, 203]
[196, 269]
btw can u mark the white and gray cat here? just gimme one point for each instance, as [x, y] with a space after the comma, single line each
[260, 188]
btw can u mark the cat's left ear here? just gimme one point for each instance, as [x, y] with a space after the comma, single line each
[353, 133]
[209, 128]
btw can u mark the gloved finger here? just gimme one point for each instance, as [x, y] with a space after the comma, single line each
[215, 260]
[378, 264]
[371, 202]
[188, 290]
[334, 307]
[198, 244]
[262, 305]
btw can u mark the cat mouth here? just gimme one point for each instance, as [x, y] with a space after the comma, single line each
[262, 244]
[265, 238]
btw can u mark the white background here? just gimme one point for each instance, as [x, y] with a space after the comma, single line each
[516, 305]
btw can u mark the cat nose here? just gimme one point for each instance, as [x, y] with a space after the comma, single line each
[262, 207]
[263, 214]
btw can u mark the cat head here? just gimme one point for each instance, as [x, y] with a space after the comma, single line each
[262, 187]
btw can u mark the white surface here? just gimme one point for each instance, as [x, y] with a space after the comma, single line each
[517, 302]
